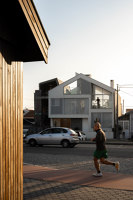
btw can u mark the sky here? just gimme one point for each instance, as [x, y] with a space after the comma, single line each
[87, 36]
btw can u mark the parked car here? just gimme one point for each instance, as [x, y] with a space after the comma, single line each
[25, 133]
[81, 135]
[56, 135]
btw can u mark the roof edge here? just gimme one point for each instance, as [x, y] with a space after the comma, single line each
[36, 26]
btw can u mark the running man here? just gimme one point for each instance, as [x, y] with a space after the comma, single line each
[101, 151]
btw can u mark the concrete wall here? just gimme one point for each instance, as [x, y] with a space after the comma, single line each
[92, 134]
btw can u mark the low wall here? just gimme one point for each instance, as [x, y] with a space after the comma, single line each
[109, 135]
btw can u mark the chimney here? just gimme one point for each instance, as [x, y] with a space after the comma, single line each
[112, 83]
[89, 75]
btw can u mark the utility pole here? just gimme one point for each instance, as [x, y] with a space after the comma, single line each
[117, 135]
[123, 107]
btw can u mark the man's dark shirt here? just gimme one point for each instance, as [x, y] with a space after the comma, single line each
[100, 140]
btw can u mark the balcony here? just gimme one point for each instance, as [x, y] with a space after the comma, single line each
[101, 102]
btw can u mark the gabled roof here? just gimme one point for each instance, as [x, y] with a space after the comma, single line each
[21, 27]
[86, 78]
[54, 80]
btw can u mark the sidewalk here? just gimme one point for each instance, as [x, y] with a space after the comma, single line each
[112, 142]
[50, 184]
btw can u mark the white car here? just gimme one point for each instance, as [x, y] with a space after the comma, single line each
[56, 135]
[81, 135]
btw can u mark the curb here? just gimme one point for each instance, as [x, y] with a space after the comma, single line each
[109, 142]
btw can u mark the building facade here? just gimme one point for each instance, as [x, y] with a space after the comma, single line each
[81, 101]
[126, 123]
[41, 102]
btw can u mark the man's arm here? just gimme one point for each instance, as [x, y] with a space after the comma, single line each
[93, 139]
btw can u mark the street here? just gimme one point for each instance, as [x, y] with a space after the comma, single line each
[80, 157]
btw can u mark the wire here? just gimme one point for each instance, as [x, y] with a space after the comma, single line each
[127, 93]
[126, 86]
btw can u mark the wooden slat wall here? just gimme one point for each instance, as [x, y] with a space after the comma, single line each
[11, 125]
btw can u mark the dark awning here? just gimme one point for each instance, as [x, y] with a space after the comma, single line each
[23, 30]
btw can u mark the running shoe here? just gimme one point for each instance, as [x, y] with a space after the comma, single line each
[98, 174]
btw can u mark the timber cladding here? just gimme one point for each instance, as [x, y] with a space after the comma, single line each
[36, 26]
[11, 126]
[22, 39]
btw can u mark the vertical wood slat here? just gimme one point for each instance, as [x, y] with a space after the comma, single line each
[11, 124]
[4, 130]
[14, 123]
[16, 135]
[11, 133]
[21, 128]
[1, 125]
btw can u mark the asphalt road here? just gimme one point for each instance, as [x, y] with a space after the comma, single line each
[79, 157]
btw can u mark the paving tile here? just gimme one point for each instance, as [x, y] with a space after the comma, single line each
[80, 177]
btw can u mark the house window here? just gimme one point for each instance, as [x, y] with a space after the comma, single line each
[69, 106]
[124, 125]
[79, 86]
[56, 106]
[76, 106]
[101, 99]
[104, 118]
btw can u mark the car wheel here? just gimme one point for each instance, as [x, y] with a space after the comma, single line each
[32, 143]
[65, 143]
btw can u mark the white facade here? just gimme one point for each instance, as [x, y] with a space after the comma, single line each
[79, 102]
[126, 133]
[126, 123]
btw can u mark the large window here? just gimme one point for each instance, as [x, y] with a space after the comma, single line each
[56, 106]
[70, 106]
[101, 98]
[76, 106]
[124, 125]
[104, 118]
[79, 86]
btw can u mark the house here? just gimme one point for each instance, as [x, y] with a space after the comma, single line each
[22, 39]
[41, 102]
[126, 123]
[28, 119]
[81, 101]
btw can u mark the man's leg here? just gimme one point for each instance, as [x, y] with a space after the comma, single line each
[97, 165]
[106, 162]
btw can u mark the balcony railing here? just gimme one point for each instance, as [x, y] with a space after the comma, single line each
[101, 103]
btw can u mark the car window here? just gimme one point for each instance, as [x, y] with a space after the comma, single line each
[64, 131]
[57, 130]
[47, 131]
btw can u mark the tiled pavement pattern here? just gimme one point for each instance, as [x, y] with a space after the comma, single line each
[49, 183]
[49, 190]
